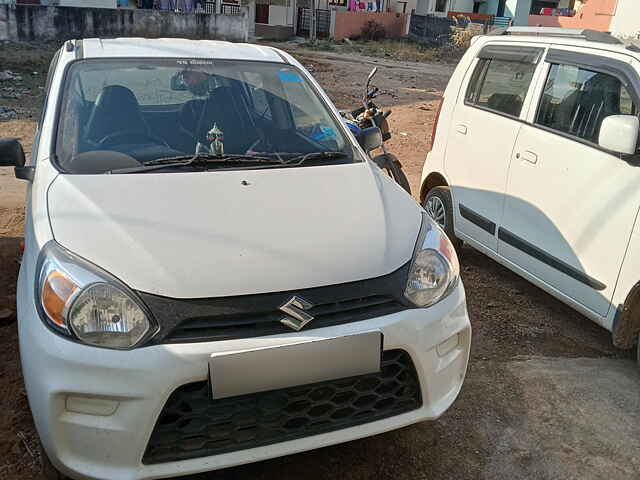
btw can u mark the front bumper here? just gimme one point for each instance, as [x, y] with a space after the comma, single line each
[95, 409]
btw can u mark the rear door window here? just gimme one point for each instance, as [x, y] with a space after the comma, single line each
[502, 78]
[576, 100]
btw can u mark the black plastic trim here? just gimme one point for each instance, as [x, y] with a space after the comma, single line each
[539, 254]
[25, 173]
[192, 425]
[477, 219]
[254, 315]
[512, 53]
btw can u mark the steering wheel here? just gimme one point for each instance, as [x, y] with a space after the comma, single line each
[123, 137]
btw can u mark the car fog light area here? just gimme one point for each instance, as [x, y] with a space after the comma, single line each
[102, 315]
[435, 269]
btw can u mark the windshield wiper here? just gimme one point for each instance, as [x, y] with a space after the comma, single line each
[314, 156]
[197, 160]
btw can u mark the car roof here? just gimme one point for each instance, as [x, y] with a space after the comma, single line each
[567, 41]
[177, 48]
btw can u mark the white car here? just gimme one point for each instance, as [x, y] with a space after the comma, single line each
[535, 163]
[214, 272]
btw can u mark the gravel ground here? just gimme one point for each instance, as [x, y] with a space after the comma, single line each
[546, 395]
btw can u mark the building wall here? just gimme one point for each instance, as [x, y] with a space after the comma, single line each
[626, 20]
[85, 3]
[24, 23]
[349, 24]
[595, 15]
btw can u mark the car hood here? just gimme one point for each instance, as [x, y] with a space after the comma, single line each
[223, 233]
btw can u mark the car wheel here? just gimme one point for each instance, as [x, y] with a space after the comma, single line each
[439, 206]
[49, 472]
[638, 350]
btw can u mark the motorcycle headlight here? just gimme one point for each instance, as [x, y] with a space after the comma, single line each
[435, 270]
[80, 300]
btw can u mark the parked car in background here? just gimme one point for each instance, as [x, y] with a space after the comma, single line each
[214, 271]
[535, 163]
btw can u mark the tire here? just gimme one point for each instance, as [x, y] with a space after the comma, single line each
[439, 206]
[392, 166]
[49, 472]
[638, 351]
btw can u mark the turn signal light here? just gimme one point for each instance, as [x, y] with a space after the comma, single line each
[56, 292]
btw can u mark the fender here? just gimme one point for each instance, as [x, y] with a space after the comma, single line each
[626, 322]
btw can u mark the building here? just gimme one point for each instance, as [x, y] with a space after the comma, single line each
[620, 17]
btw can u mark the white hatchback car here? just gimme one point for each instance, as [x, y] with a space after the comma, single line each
[214, 272]
[535, 162]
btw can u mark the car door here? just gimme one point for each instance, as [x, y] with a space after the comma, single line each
[570, 205]
[484, 127]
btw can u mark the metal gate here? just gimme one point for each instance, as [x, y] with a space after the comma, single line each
[209, 7]
[323, 22]
[230, 9]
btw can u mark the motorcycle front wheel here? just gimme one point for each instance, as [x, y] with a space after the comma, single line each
[392, 166]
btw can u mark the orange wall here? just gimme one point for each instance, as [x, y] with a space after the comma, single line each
[350, 23]
[595, 15]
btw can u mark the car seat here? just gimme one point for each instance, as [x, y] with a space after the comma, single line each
[116, 110]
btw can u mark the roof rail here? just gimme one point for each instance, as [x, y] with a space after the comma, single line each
[589, 35]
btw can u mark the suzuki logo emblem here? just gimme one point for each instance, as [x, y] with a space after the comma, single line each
[296, 317]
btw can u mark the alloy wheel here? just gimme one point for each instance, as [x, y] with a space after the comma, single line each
[435, 209]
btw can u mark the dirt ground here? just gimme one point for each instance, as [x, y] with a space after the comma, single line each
[546, 395]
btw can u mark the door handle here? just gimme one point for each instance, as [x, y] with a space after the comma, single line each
[529, 156]
[461, 129]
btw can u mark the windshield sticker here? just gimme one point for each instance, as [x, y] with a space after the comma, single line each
[194, 62]
[289, 77]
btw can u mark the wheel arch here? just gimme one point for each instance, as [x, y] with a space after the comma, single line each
[434, 179]
[626, 322]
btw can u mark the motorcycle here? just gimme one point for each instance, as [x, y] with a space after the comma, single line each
[370, 115]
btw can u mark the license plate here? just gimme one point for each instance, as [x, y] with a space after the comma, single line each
[251, 371]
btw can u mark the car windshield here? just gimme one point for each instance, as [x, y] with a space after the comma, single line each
[119, 114]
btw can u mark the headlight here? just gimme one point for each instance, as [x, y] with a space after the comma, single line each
[79, 300]
[435, 270]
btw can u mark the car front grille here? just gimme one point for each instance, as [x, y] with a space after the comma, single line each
[225, 318]
[191, 425]
[269, 323]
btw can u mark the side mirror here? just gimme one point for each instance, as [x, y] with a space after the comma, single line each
[372, 74]
[11, 153]
[370, 138]
[619, 133]
[366, 87]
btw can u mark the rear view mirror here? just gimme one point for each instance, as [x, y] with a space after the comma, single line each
[370, 138]
[177, 83]
[619, 133]
[11, 153]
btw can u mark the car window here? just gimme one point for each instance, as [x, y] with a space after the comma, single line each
[500, 85]
[118, 111]
[576, 101]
